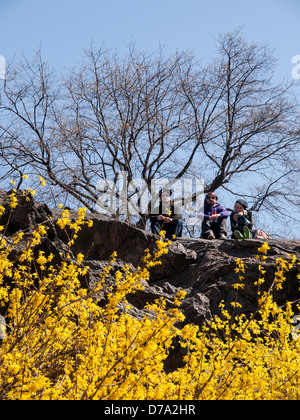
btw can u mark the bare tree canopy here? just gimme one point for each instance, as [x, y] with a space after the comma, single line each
[154, 116]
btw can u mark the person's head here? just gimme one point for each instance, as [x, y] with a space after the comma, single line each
[240, 206]
[165, 196]
[211, 198]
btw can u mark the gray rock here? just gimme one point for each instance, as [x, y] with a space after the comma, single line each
[2, 328]
[203, 269]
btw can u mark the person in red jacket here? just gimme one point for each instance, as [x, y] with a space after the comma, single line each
[214, 224]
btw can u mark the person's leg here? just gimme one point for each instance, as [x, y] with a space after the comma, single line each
[177, 228]
[207, 232]
[173, 228]
[247, 233]
[155, 228]
[220, 228]
[238, 234]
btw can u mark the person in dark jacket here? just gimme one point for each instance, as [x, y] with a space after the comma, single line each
[214, 224]
[241, 220]
[164, 218]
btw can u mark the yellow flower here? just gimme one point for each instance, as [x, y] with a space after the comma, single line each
[18, 237]
[31, 191]
[236, 305]
[80, 258]
[238, 286]
[62, 344]
[42, 181]
[42, 260]
[13, 200]
[264, 248]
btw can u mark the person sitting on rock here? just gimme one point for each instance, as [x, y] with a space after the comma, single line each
[164, 218]
[214, 224]
[241, 220]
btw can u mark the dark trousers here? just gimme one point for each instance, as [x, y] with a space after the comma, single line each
[219, 227]
[173, 228]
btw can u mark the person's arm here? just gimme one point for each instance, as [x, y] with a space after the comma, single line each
[249, 220]
[174, 217]
[224, 212]
[203, 215]
[233, 222]
[154, 215]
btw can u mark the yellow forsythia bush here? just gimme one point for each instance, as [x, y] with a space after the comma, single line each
[61, 344]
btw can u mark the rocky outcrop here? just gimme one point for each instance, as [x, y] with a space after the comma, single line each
[204, 269]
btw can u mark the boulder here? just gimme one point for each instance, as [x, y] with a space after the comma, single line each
[204, 269]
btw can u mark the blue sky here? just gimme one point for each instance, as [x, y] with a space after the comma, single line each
[65, 27]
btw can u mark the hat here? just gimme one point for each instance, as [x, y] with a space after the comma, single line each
[242, 202]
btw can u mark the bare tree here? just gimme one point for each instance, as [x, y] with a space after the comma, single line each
[248, 127]
[244, 122]
[124, 115]
[154, 117]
